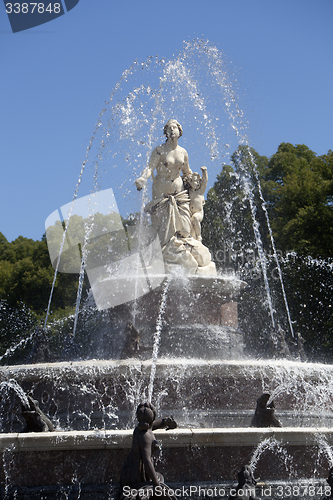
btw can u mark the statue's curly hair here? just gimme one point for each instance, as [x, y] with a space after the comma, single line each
[187, 178]
[186, 181]
[180, 128]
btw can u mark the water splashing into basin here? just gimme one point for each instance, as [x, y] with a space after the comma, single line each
[271, 444]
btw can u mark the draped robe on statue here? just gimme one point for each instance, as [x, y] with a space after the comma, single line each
[171, 217]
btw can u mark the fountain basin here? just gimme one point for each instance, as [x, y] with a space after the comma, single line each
[95, 394]
[188, 455]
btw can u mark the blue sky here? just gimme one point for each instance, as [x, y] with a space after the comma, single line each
[56, 78]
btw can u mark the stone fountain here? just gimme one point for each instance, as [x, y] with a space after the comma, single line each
[174, 341]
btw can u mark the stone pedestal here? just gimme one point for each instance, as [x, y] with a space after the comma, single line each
[229, 314]
[195, 316]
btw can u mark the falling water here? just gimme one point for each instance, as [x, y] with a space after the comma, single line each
[263, 205]
[22, 343]
[157, 336]
[65, 234]
[324, 448]
[14, 386]
[7, 466]
[133, 117]
[311, 386]
[248, 190]
[138, 266]
[87, 233]
[271, 444]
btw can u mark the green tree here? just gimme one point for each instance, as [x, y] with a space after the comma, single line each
[13, 322]
[298, 188]
[26, 276]
[309, 287]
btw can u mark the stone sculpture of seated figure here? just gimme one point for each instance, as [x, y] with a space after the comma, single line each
[138, 470]
[165, 166]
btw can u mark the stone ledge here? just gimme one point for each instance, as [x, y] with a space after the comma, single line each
[178, 438]
[93, 368]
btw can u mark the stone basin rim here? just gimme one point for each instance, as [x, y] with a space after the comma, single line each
[107, 365]
[178, 438]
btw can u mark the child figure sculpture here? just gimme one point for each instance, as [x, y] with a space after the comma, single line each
[196, 187]
[138, 469]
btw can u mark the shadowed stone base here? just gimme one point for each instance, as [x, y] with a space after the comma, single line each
[210, 342]
[197, 316]
[188, 456]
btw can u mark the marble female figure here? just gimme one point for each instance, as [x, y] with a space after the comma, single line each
[169, 207]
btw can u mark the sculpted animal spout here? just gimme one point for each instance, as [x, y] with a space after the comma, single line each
[176, 208]
[264, 415]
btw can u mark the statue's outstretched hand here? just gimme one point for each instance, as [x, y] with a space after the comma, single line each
[169, 423]
[140, 183]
